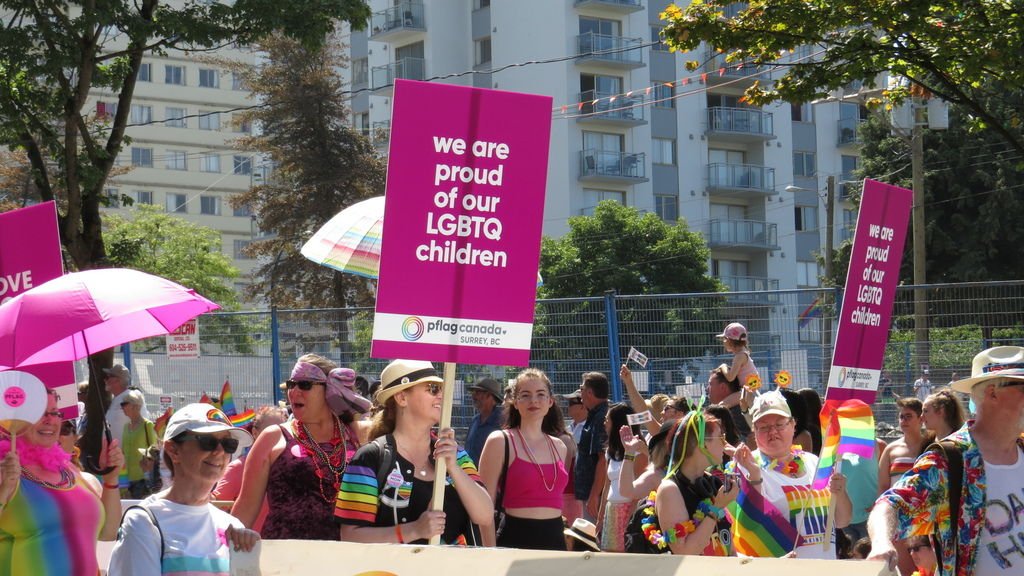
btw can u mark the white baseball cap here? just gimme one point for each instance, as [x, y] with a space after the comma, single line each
[204, 419]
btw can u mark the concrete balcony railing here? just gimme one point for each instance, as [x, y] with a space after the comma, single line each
[611, 50]
[749, 123]
[599, 107]
[612, 166]
[745, 234]
[399, 20]
[617, 6]
[735, 73]
[407, 68]
[751, 178]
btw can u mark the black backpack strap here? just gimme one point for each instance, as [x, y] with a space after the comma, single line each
[387, 458]
[152, 518]
[954, 457]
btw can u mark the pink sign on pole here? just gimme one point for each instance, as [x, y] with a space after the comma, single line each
[29, 256]
[871, 282]
[463, 214]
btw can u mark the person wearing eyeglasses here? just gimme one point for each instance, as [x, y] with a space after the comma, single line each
[179, 530]
[780, 476]
[923, 555]
[387, 488]
[981, 536]
[297, 466]
[51, 514]
[138, 436]
[69, 440]
[535, 474]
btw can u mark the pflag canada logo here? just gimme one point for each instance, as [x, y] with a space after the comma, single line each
[412, 328]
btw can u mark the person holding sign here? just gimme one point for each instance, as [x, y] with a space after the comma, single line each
[50, 513]
[527, 463]
[386, 490]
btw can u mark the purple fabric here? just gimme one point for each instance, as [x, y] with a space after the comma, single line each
[297, 510]
[341, 392]
[306, 372]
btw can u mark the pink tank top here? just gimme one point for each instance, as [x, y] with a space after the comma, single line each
[527, 484]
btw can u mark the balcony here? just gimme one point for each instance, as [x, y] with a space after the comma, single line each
[849, 131]
[407, 69]
[400, 23]
[380, 134]
[752, 289]
[745, 178]
[600, 108]
[740, 124]
[849, 186]
[612, 167]
[735, 74]
[742, 235]
[617, 6]
[615, 51]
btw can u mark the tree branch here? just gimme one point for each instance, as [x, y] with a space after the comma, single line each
[35, 157]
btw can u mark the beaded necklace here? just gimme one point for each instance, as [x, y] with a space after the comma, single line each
[67, 479]
[794, 468]
[554, 461]
[324, 463]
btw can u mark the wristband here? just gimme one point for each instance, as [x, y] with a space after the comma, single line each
[398, 534]
[112, 486]
[629, 457]
[753, 483]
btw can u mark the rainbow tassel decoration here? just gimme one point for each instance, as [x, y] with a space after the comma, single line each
[227, 400]
[848, 427]
[240, 420]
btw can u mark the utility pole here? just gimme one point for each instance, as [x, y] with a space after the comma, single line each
[830, 216]
[920, 295]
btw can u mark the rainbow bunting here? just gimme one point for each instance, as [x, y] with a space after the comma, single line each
[847, 428]
[812, 311]
[760, 529]
[242, 419]
[160, 424]
[227, 400]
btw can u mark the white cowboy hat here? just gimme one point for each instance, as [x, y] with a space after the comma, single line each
[1002, 362]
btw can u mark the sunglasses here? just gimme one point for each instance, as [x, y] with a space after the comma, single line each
[210, 443]
[917, 547]
[67, 428]
[434, 388]
[304, 385]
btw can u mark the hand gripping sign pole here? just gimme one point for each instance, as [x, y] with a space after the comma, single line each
[441, 466]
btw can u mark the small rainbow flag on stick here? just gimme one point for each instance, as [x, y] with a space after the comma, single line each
[847, 428]
[239, 420]
[227, 400]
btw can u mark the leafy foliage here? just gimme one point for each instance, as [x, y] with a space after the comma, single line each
[963, 52]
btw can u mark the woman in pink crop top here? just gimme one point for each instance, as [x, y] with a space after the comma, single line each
[536, 475]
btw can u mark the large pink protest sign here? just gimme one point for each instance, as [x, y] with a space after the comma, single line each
[29, 256]
[463, 214]
[871, 281]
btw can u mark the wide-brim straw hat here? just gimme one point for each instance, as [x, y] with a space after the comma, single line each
[584, 531]
[1001, 362]
[403, 374]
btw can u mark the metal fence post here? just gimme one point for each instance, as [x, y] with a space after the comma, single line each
[612, 321]
[275, 354]
[126, 354]
[908, 373]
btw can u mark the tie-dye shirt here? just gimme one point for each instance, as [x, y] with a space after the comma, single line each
[50, 531]
[402, 498]
[922, 505]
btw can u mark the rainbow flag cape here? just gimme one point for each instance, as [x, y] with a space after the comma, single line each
[760, 529]
[227, 400]
[812, 311]
[242, 419]
[847, 427]
[160, 424]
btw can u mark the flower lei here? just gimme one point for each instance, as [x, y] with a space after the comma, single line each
[794, 468]
[681, 530]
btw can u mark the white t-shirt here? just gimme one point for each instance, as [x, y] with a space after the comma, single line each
[1002, 535]
[614, 469]
[923, 388]
[806, 508]
[116, 418]
[194, 541]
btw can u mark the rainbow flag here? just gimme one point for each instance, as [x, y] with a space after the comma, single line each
[760, 529]
[239, 420]
[160, 424]
[847, 427]
[812, 311]
[204, 399]
[227, 400]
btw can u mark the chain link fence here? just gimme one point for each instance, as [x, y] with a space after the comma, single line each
[789, 330]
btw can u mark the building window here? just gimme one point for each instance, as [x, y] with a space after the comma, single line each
[478, 4]
[804, 164]
[361, 123]
[801, 112]
[807, 274]
[591, 198]
[106, 109]
[209, 163]
[243, 165]
[177, 203]
[482, 49]
[240, 246]
[176, 160]
[175, 117]
[145, 72]
[243, 210]
[209, 78]
[174, 75]
[143, 197]
[113, 198]
[236, 81]
[209, 121]
[659, 43]
[667, 207]
[241, 124]
[664, 96]
[142, 157]
[360, 72]
[209, 205]
[663, 151]
[141, 114]
[806, 218]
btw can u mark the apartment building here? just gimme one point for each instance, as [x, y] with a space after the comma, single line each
[631, 124]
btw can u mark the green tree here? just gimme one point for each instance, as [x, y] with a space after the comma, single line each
[620, 249]
[321, 165]
[963, 52]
